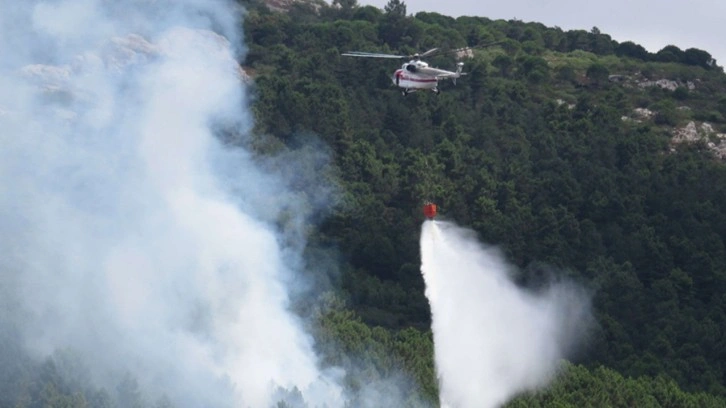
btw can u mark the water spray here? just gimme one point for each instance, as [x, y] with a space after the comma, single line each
[492, 339]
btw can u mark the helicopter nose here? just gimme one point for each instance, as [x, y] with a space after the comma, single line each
[396, 77]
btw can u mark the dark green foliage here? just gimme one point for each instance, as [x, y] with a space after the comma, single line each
[694, 56]
[670, 53]
[61, 380]
[376, 357]
[598, 74]
[603, 387]
[722, 105]
[667, 113]
[504, 64]
[395, 8]
[533, 160]
[523, 151]
[631, 50]
[681, 93]
[534, 69]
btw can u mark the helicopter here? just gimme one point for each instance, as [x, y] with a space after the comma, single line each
[416, 74]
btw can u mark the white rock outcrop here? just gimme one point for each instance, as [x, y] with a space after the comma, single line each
[705, 132]
[117, 55]
[643, 113]
[668, 84]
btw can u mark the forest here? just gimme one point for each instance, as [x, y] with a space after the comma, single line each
[561, 148]
[540, 150]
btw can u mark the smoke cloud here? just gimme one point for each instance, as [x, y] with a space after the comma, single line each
[492, 339]
[130, 233]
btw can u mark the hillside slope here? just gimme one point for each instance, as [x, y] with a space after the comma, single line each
[567, 149]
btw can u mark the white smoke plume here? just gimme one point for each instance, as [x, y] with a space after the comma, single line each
[121, 238]
[492, 339]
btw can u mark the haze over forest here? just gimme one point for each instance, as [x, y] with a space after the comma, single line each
[205, 204]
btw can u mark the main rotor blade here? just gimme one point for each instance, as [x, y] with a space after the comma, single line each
[429, 52]
[438, 51]
[484, 45]
[371, 55]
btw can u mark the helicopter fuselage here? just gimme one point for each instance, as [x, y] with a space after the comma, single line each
[416, 75]
[410, 76]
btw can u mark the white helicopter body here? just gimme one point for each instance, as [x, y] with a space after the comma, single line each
[416, 74]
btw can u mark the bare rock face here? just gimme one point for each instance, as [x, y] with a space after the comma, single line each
[464, 54]
[692, 133]
[132, 49]
[639, 115]
[643, 113]
[119, 54]
[661, 83]
[561, 102]
[639, 81]
[279, 5]
[642, 83]
[686, 134]
[285, 5]
[49, 78]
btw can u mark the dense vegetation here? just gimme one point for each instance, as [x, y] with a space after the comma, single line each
[538, 150]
